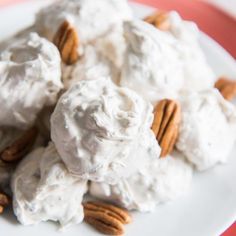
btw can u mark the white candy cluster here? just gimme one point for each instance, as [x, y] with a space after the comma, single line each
[99, 111]
[102, 131]
[43, 190]
[30, 78]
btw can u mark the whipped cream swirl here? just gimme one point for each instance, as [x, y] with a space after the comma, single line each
[92, 19]
[103, 131]
[30, 78]
[151, 63]
[92, 64]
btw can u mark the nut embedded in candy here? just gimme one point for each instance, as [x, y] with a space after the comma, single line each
[226, 87]
[105, 140]
[67, 42]
[167, 116]
[160, 20]
[99, 128]
[20, 147]
[106, 218]
[4, 201]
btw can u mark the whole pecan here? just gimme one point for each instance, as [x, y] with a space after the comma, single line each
[67, 41]
[226, 87]
[160, 20]
[167, 116]
[106, 218]
[19, 148]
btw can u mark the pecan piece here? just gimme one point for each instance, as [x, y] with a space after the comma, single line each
[226, 87]
[106, 218]
[18, 149]
[4, 201]
[67, 41]
[167, 116]
[160, 20]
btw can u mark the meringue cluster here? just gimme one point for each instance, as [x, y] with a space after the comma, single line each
[99, 111]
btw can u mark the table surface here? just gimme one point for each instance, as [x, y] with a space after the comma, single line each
[219, 25]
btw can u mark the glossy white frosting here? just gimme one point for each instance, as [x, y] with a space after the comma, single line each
[30, 78]
[103, 131]
[158, 181]
[197, 73]
[151, 64]
[208, 128]
[103, 58]
[159, 64]
[44, 190]
[92, 64]
[92, 19]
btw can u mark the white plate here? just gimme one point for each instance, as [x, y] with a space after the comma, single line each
[207, 210]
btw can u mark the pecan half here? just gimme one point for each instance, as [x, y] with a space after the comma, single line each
[106, 218]
[226, 87]
[67, 42]
[4, 201]
[167, 116]
[18, 149]
[160, 20]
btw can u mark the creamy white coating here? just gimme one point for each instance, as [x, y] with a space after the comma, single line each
[103, 131]
[103, 58]
[92, 65]
[113, 46]
[30, 78]
[208, 128]
[43, 190]
[158, 181]
[197, 73]
[151, 63]
[91, 19]
[186, 31]
[159, 64]
[101, 40]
